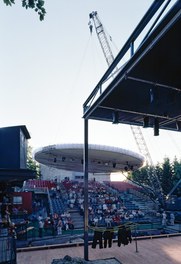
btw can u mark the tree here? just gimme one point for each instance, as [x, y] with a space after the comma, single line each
[166, 178]
[168, 174]
[32, 164]
[141, 176]
[177, 176]
[36, 5]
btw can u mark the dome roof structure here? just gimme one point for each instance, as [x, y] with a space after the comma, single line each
[102, 159]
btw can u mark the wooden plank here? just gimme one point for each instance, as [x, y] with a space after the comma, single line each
[157, 251]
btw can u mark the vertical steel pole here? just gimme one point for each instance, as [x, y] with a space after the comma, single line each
[86, 189]
[136, 243]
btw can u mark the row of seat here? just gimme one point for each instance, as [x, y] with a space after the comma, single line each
[124, 186]
[40, 183]
[57, 206]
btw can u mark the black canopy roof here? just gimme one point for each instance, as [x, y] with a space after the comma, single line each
[149, 84]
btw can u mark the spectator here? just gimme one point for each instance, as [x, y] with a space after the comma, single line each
[47, 223]
[59, 227]
[40, 225]
[40, 218]
[172, 219]
[164, 219]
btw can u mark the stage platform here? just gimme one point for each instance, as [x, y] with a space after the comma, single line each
[165, 250]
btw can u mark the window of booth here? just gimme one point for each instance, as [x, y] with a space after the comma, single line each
[17, 200]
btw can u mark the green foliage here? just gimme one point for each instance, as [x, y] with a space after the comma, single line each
[177, 175]
[141, 176]
[32, 164]
[36, 5]
[166, 177]
[168, 174]
[9, 2]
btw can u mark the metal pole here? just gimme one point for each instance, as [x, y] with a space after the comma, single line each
[136, 243]
[86, 189]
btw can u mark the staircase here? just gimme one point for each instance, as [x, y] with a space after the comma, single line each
[77, 219]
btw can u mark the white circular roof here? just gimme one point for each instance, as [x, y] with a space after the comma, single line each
[102, 159]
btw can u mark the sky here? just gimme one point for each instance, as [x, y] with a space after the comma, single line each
[48, 69]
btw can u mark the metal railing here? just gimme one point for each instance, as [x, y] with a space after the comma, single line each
[7, 250]
[137, 35]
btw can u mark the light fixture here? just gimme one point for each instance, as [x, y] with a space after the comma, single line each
[146, 121]
[63, 159]
[115, 117]
[156, 127]
[131, 167]
[114, 165]
[178, 125]
[126, 168]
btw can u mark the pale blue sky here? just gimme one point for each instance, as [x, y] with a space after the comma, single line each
[49, 68]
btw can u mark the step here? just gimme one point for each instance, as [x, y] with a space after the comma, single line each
[77, 219]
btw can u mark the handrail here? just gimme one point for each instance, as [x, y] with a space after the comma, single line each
[50, 202]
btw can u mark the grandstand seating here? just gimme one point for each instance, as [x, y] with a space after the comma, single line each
[123, 185]
[58, 206]
[40, 184]
[61, 195]
[132, 195]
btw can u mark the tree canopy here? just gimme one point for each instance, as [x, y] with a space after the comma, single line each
[36, 5]
[32, 164]
[168, 173]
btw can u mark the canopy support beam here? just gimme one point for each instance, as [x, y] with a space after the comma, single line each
[86, 189]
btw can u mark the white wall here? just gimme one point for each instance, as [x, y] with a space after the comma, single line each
[49, 173]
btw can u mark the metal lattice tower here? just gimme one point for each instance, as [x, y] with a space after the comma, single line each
[101, 37]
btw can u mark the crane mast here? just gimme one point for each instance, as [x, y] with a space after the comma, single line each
[101, 37]
[136, 130]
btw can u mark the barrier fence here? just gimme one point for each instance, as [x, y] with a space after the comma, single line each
[8, 250]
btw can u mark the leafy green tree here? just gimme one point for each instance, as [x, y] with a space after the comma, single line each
[141, 176]
[32, 164]
[168, 174]
[177, 171]
[166, 178]
[36, 5]
[177, 176]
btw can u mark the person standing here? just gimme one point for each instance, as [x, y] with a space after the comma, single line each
[40, 223]
[59, 227]
[164, 219]
[172, 219]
